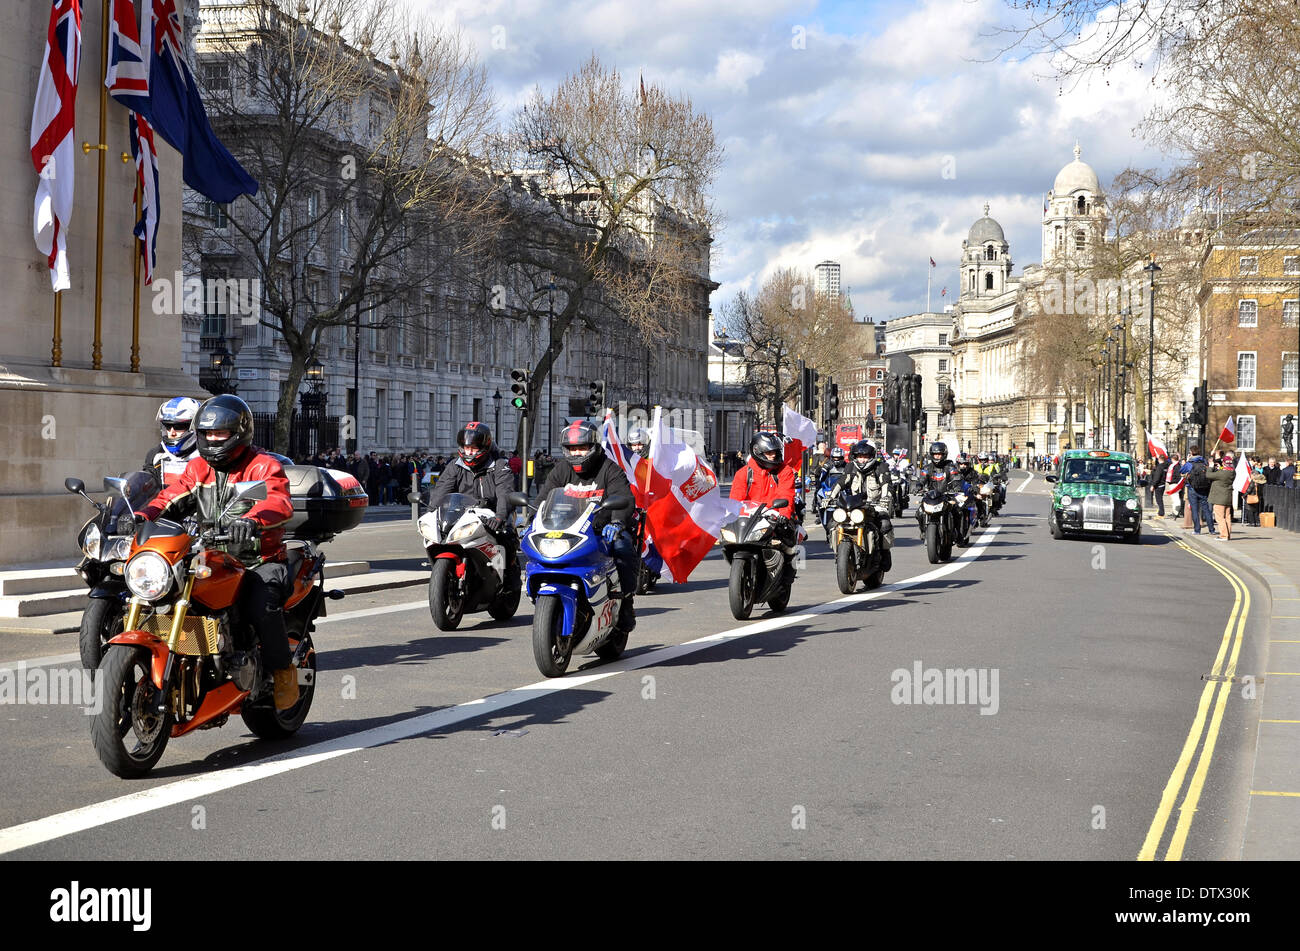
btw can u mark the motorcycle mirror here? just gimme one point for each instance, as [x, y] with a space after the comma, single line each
[1050, 477]
[780, 504]
[517, 498]
[74, 485]
[255, 490]
[413, 497]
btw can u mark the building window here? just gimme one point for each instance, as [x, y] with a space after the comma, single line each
[1291, 264]
[943, 341]
[1080, 240]
[1246, 433]
[1082, 205]
[1079, 413]
[381, 417]
[1060, 237]
[216, 77]
[988, 281]
[880, 409]
[376, 123]
[1247, 313]
[972, 280]
[1246, 370]
[217, 212]
[1248, 264]
[1051, 412]
[1051, 444]
[943, 366]
[1290, 313]
[988, 253]
[1290, 371]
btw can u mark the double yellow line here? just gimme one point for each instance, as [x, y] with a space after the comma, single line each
[1225, 667]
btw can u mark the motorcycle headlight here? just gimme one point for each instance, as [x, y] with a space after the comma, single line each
[465, 531]
[857, 516]
[933, 507]
[91, 543]
[1066, 500]
[840, 515]
[1131, 505]
[728, 535]
[761, 525]
[428, 529]
[148, 575]
[961, 498]
[118, 549]
[553, 547]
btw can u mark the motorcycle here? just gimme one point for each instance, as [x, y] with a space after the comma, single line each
[988, 503]
[187, 660]
[862, 543]
[936, 516]
[467, 563]
[652, 566]
[966, 503]
[762, 569]
[823, 497]
[105, 542]
[572, 580]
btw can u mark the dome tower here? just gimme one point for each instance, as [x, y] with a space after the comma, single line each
[985, 259]
[1075, 217]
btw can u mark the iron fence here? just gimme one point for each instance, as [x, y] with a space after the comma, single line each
[1284, 503]
[309, 433]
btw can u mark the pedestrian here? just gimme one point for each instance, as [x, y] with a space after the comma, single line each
[1220, 498]
[1288, 474]
[1198, 490]
[1156, 482]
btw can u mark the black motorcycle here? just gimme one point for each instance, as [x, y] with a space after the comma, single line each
[105, 542]
[861, 553]
[936, 516]
[762, 567]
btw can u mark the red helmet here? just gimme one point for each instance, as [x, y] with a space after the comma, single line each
[582, 449]
[474, 443]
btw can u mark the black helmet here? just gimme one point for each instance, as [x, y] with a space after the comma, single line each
[224, 413]
[582, 450]
[767, 449]
[940, 450]
[474, 443]
[837, 455]
[863, 454]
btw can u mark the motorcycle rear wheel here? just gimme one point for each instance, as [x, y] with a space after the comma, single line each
[844, 567]
[444, 606]
[503, 606]
[781, 600]
[125, 717]
[740, 589]
[613, 648]
[267, 723]
[100, 622]
[551, 649]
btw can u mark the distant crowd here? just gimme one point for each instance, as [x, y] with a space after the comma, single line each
[387, 478]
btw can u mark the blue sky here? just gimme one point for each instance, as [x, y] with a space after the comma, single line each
[837, 148]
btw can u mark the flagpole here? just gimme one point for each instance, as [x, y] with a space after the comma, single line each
[927, 287]
[137, 249]
[97, 347]
[56, 350]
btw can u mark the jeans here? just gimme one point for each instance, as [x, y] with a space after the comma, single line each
[1200, 505]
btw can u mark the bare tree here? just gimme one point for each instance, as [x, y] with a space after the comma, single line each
[363, 161]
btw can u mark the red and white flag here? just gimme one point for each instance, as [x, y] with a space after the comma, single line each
[686, 510]
[52, 138]
[1229, 433]
[1156, 447]
[1173, 488]
[800, 434]
[633, 466]
[1242, 478]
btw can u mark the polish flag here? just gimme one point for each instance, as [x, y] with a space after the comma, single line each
[1229, 433]
[800, 433]
[1156, 447]
[1173, 488]
[1242, 478]
[686, 511]
[634, 467]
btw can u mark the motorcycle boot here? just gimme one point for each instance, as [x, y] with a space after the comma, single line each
[626, 615]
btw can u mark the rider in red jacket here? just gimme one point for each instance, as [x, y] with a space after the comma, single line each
[766, 477]
[224, 427]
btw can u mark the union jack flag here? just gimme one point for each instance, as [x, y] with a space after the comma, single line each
[52, 145]
[146, 172]
[127, 75]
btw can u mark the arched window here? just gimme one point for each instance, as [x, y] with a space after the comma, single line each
[972, 280]
[988, 281]
[1060, 237]
[1083, 205]
[988, 253]
[1080, 240]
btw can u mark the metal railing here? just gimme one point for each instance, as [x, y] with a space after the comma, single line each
[1284, 503]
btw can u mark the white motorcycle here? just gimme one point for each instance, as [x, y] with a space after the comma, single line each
[467, 563]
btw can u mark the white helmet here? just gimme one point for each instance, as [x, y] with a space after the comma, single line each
[178, 413]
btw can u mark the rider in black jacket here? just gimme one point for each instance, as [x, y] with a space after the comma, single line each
[489, 480]
[586, 471]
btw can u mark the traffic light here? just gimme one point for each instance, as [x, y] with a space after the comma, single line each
[916, 397]
[832, 402]
[1201, 405]
[520, 388]
[597, 399]
[924, 426]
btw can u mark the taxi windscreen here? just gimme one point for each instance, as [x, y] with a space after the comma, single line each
[1109, 471]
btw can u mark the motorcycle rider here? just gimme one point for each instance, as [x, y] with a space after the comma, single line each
[475, 472]
[991, 468]
[224, 432]
[834, 468]
[588, 473]
[766, 479]
[869, 476]
[638, 440]
[176, 427]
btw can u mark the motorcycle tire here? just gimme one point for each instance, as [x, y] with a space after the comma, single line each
[100, 623]
[445, 608]
[552, 650]
[740, 589]
[127, 692]
[945, 550]
[504, 605]
[844, 567]
[963, 536]
[781, 600]
[613, 648]
[267, 723]
[932, 546]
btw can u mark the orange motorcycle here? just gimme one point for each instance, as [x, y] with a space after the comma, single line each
[186, 660]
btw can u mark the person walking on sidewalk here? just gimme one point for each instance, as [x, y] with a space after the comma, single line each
[1198, 490]
[1220, 498]
[1156, 481]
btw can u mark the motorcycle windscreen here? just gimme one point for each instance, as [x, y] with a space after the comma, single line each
[452, 508]
[563, 510]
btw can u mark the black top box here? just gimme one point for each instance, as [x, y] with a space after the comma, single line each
[325, 502]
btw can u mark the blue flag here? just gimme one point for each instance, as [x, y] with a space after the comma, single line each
[176, 112]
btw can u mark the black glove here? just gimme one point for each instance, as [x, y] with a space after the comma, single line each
[138, 519]
[494, 524]
[242, 530]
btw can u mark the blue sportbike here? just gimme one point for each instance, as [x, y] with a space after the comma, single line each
[572, 580]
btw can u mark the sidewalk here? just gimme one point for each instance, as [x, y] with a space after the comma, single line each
[1272, 556]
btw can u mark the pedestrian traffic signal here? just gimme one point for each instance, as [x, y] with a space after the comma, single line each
[520, 388]
[596, 401]
[924, 427]
[833, 403]
[1201, 405]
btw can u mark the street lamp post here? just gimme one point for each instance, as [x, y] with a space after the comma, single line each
[1152, 270]
[721, 344]
[550, 373]
[1106, 400]
[1123, 368]
[496, 398]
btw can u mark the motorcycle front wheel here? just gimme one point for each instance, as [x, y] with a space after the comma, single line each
[445, 605]
[552, 646]
[128, 735]
[844, 567]
[740, 589]
[932, 542]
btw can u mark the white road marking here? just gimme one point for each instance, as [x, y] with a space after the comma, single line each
[37, 831]
[1021, 486]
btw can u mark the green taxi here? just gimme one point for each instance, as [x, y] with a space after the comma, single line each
[1096, 492]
